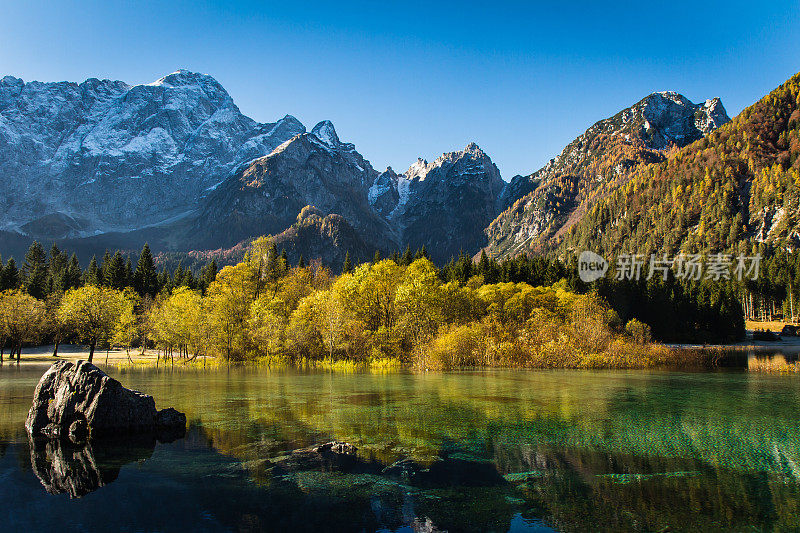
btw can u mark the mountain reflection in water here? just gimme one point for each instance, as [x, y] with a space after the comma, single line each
[483, 451]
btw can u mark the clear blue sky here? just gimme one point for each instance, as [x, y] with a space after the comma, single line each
[415, 79]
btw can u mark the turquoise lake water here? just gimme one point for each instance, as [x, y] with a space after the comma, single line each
[498, 451]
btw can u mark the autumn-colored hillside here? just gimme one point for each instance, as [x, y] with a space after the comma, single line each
[730, 191]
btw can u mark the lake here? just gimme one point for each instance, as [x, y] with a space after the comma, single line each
[472, 451]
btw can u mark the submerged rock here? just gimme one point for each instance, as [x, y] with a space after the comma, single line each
[333, 456]
[78, 400]
[446, 470]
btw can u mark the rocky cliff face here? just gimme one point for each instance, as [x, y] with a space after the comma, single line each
[266, 195]
[444, 205]
[100, 156]
[540, 207]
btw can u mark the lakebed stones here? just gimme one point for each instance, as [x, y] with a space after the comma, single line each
[447, 469]
[78, 400]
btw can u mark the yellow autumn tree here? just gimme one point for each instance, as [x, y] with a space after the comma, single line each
[92, 313]
[21, 319]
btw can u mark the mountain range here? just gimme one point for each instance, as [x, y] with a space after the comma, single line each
[104, 164]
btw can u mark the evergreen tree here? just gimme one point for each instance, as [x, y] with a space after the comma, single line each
[104, 266]
[128, 273]
[301, 263]
[208, 274]
[164, 282]
[72, 276]
[145, 279]
[34, 271]
[377, 257]
[10, 278]
[188, 279]
[177, 276]
[92, 274]
[407, 257]
[348, 264]
[34, 257]
[114, 272]
[56, 270]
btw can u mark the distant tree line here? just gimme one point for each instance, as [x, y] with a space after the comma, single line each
[514, 312]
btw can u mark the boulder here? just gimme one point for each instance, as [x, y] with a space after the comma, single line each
[78, 400]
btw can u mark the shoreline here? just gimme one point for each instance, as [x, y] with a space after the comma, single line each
[42, 355]
[787, 345]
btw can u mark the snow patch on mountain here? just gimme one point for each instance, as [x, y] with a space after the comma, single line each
[117, 154]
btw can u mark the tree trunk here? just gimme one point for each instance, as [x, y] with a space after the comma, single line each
[91, 350]
[55, 348]
[19, 350]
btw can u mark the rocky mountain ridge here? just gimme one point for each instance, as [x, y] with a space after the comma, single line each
[540, 207]
[83, 159]
[106, 164]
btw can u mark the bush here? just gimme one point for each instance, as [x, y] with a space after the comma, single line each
[638, 331]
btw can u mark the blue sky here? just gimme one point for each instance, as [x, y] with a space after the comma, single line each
[415, 79]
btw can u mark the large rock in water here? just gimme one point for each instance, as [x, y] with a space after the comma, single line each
[78, 399]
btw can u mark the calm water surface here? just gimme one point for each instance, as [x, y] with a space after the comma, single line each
[516, 451]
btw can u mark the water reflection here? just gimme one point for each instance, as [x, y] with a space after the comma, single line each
[78, 469]
[470, 451]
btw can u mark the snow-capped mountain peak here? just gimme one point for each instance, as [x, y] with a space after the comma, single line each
[149, 151]
[325, 132]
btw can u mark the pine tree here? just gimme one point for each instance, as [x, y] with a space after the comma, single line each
[301, 263]
[163, 282]
[34, 271]
[10, 278]
[34, 257]
[92, 274]
[348, 264]
[145, 279]
[128, 273]
[377, 257]
[208, 274]
[407, 257]
[114, 272]
[177, 276]
[72, 277]
[56, 270]
[104, 266]
[188, 279]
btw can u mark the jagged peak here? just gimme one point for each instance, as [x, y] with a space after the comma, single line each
[11, 80]
[290, 118]
[184, 78]
[473, 148]
[325, 132]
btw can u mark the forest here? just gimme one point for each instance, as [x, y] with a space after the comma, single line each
[734, 191]
[403, 310]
